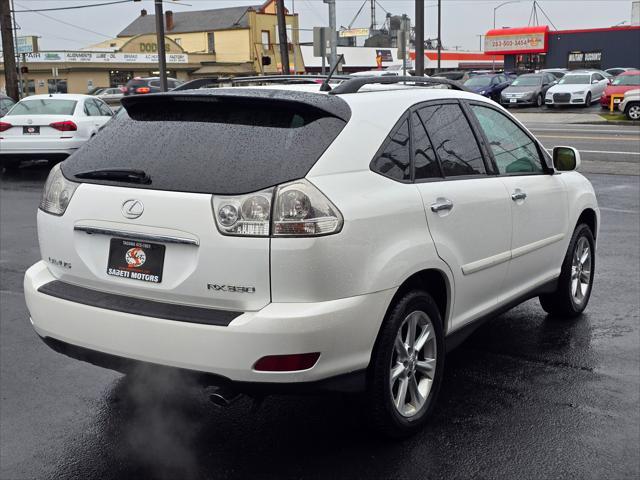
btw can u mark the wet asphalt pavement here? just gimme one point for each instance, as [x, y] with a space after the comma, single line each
[525, 397]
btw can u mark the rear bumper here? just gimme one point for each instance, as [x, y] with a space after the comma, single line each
[21, 149]
[343, 331]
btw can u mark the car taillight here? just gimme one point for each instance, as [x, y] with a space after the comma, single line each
[4, 126]
[299, 210]
[64, 126]
[57, 192]
[143, 90]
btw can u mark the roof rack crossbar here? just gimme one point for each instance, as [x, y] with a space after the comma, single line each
[286, 78]
[353, 85]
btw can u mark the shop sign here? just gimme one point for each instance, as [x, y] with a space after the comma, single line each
[385, 55]
[584, 59]
[522, 43]
[354, 32]
[100, 57]
[26, 44]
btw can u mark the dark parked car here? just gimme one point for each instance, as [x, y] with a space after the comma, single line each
[207, 82]
[138, 86]
[5, 104]
[489, 85]
[528, 89]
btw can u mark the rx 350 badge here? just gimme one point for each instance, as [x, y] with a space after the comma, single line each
[230, 288]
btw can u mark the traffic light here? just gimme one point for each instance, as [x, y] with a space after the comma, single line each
[24, 69]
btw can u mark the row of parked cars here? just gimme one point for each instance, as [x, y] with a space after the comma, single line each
[552, 87]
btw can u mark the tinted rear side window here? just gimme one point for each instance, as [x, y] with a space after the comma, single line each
[453, 140]
[394, 160]
[45, 106]
[424, 158]
[211, 144]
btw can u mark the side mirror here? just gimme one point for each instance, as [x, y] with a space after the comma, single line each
[594, 82]
[566, 159]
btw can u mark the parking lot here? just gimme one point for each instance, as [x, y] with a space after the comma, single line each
[525, 396]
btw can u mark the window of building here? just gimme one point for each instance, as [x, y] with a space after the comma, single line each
[31, 87]
[211, 43]
[453, 140]
[57, 85]
[394, 160]
[513, 150]
[178, 41]
[266, 40]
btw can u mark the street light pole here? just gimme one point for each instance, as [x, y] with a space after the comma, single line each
[493, 61]
[419, 39]
[162, 60]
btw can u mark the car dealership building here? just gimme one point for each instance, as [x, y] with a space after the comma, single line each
[533, 48]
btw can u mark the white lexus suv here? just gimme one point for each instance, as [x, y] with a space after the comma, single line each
[285, 238]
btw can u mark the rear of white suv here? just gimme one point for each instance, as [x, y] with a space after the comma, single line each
[278, 239]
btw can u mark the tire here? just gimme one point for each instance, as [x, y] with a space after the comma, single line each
[539, 101]
[422, 370]
[633, 111]
[570, 300]
[587, 100]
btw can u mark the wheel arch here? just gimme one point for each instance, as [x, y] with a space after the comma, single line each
[589, 217]
[433, 281]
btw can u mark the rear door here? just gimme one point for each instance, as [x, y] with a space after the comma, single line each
[467, 210]
[537, 200]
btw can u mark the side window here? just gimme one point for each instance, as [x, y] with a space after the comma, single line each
[394, 159]
[105, 111]
[453, 140]
[154, 83]
[424, 158]
[91, 109]
[512, 149]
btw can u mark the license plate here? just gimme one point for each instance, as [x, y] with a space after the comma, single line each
[513, 100]
[136, 260]
[616, 100]
[31, 130]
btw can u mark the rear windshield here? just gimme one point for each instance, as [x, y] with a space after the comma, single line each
[210, 145]
[44, 106]
[136, 82]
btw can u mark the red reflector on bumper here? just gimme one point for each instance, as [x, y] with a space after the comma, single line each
[287, 363]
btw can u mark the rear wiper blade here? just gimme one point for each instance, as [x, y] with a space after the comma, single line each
[129, 175]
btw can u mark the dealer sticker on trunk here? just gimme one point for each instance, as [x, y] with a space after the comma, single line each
[136, 260]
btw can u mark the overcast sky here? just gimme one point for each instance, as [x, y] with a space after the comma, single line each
[462, 20]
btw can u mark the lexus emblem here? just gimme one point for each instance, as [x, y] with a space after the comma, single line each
[132, 208]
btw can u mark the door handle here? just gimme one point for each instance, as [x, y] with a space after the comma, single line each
[518, 195]
[441, 205]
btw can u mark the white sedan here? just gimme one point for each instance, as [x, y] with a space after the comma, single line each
[581, 87]
[49, 127]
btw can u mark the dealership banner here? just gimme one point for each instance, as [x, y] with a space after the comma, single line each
[101, 57]
[517, 40]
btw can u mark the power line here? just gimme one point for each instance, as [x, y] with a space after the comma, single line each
[66, 23]
[70, 8]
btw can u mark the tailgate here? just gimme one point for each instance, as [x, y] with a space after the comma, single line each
[171, 253]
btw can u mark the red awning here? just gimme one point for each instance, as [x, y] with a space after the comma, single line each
[517, 31]
[508, 41]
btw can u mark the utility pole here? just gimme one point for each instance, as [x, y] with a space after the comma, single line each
[333, 56]
[282, 34]
[373, 16]
[439, 32]
[8, 49]
[419, 38]
[162, 59]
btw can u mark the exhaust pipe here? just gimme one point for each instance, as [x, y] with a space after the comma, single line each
[224, 397]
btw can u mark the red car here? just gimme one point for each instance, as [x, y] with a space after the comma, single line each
[629, 80]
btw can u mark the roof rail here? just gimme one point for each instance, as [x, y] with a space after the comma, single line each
[353, 85]
[287, 78]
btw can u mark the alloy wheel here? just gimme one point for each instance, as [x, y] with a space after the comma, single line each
[634, 112]
[581, 271]
[413, 364]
